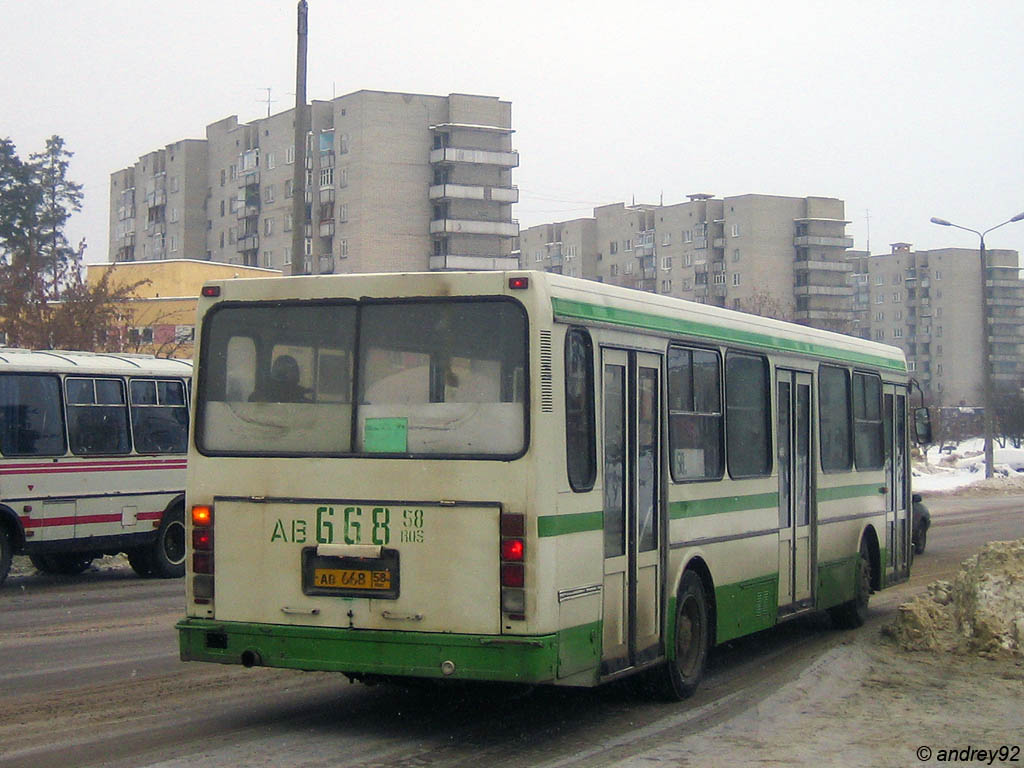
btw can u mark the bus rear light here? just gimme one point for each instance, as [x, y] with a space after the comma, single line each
[202, 588]
[211, 291]
[512, 525]
[512, 575]
[202, 539]
[202, 562]
[202, 514]
[512, 549]
[513, 601]
[518, 283]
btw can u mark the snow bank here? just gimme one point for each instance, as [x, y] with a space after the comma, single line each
[981, 611]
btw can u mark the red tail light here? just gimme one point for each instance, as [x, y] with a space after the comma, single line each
[202, 554]
[512, 553]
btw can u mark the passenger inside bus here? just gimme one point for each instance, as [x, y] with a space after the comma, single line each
[284, 384]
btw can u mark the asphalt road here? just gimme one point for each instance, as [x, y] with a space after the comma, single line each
[89, 675]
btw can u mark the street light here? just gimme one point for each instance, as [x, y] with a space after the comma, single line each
[986, 363]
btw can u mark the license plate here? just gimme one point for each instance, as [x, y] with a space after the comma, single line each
[376, 577]
[351, 578]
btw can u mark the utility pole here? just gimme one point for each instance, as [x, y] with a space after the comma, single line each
[301, 129]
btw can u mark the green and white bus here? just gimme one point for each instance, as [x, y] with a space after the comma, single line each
[520, 476]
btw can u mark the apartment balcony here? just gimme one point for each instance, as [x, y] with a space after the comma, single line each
[556, 259]
[249, 209]
[1004, 284]
[473, 192]
[822, 266]
[643, 284]
[474, 227]
[649, 274]
[327, 228]
[995, 337]
[453, 155]
[249, 179]
[471, 262]
[127, 240]
[719, 290]
[156, 228]
[156, 197]
[823, 290]
[822, 241]
[1005, 301]
[718, 242]
[248, 243]
[823, 314]
[326, 264]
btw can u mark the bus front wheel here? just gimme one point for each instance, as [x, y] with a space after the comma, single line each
[682, 674]
[854, 613]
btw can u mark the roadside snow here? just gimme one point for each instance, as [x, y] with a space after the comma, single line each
[964, 465]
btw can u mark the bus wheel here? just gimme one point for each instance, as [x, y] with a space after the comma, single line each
[683, 674]
[6, 553]
[853, 613]
[168, 553]
[141, 561]
[62, 563]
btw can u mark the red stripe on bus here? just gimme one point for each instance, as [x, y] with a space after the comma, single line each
[51, 522]
[51, 469]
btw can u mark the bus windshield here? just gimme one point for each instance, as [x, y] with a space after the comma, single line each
[401, 378]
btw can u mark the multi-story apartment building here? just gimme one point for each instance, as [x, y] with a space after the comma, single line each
[394, 182]
[784, 256]
[929, 303]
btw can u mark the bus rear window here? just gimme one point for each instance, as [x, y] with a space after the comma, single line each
[444, 378]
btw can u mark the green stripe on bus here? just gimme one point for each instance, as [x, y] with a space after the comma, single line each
[583, 311]
[558, 525]
[700, 507]
[848, 492]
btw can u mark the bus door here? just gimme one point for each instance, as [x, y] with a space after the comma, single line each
[631, 396]
[897, 521]
[797, 507]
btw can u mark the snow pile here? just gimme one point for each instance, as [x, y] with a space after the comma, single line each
[955, 467]
[981, 611]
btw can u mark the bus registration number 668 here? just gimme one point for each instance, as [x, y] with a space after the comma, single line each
[351, 578]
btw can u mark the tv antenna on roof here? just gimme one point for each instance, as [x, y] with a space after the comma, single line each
[268, 100]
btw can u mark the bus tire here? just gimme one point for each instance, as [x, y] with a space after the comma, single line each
[141, 561]
[167, 555]
[853, 613]
[62, 563]
[682, 674]
[6, 553]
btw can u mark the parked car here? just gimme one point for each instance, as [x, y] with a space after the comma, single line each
[922, 522]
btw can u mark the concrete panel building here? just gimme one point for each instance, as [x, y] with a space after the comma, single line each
[782, 256]
[929, 303]
[394, 182]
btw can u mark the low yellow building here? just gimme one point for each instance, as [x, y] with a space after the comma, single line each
[161, 318]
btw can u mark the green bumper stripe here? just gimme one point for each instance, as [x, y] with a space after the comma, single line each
[848, 492]
[558, 525]
[584, 311]
[533, 659]
[699, 507]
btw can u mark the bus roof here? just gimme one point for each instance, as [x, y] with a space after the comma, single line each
[65, 361]
[586, 301]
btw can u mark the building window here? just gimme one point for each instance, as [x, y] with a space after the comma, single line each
[629, 268]
[897, 278]
[687, 236]
[326, 178]
[880, 298]
[879, 335]
[538, 256]
[688, 260]
[343, 144]
[613, 270]
[938, 369]
[287, 255]
[735, 278]
[687, 284]
[736, 254]
[343, 212]
[897, 297]
[174, 184]
[879, 279]
[289, 155]
[250, 160]
[174, 215]
[221, 207]
[719, 278]
[223, 174]
[897, 333]
[735, 230]
[938, 330]
[666, 239]
[288, 187]
[613, 247]
[666, 286]
[343, 248]
[288, 222]
[173, 243]
[938, 274]
[627, 245]
[268, 193]
[271, 161]
[268, 259]
[695, 414]
[268, 227]
[879, 317]
[666, 262]
[343, 177]
[899, 314]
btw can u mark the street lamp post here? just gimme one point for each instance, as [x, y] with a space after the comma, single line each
[986, 362]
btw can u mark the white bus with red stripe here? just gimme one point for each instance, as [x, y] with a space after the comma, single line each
[92, 460]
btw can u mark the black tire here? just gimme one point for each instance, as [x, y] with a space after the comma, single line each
[62, 563]
[167, 555]
[853, 613]
[922, 541]
[681, 675]
[141, 561]
[6, 553]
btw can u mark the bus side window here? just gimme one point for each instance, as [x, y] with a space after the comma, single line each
[580, 443]
[159, 416]
[97, 418]
[867, 421]
[834, 418]
[695, 414]
[30, 416]
[748, 417]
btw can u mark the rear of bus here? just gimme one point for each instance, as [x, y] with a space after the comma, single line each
[358, 478]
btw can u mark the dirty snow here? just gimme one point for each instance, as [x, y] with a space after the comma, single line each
[981, 611]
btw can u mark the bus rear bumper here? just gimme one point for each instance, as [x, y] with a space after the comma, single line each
[362, 652]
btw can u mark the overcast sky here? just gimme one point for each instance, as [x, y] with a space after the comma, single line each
[905, 109]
